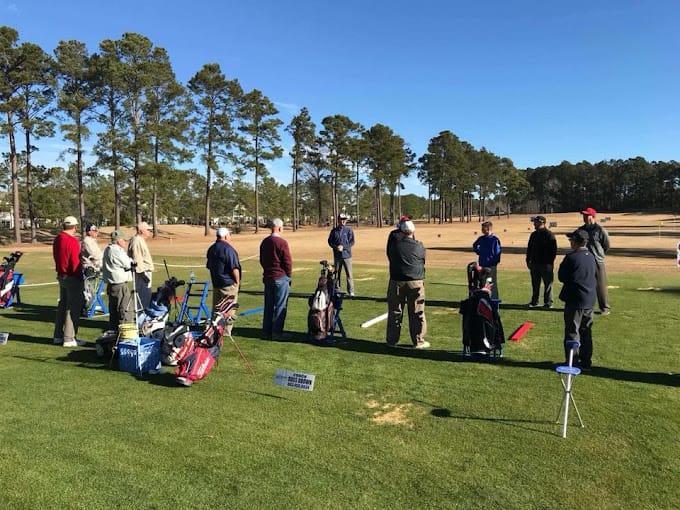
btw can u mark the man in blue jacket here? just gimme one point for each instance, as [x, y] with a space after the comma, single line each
[341, 240]
[578, 274]
[488, 247]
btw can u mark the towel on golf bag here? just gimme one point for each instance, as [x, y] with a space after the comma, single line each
[482, 326]
[197, 356]
[7, 287]
[321, 310]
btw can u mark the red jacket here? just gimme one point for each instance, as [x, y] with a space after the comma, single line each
[275, 258]
[66, 253]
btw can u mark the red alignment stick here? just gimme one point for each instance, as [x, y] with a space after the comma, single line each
[521, 331]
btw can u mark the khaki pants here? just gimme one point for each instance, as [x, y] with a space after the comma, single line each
[602, 293]
[220, 294]
[71, 301]
[411, 293]
[120, 307]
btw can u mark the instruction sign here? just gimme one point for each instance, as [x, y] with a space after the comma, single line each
[296, 380]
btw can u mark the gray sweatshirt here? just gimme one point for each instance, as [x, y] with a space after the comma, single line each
[598, 242]
[116, 265]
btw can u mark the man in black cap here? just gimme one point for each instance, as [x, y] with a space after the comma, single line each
[541, 253]
[577, 273]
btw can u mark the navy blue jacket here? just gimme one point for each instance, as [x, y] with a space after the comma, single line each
[342, 236]
[577, 273]
[489, 250]
[222, 260]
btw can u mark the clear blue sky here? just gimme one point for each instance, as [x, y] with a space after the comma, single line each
[539, 82]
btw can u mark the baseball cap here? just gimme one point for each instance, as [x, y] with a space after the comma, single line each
[143, 225]
[487, 224]
[407, 227]
[276, 222]
[222, 232]
[589, 211]
[343, 216]
[579, 235]
[116, 235]
[91, 227]
[538, 218]
[70, 221]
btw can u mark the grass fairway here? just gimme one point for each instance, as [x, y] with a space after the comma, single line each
[382, 428]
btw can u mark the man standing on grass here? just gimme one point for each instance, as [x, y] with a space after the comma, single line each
[225, 269]
[90, 252]
[66, 253]
[341, 240]
[541, 253]
[578, 274]
[488, 247]
[116, 273]
[406, 286]
[139, 252]
[598, 244]
[277, 269]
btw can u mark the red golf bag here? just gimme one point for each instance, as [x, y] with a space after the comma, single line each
[7, 284]
[197, 355]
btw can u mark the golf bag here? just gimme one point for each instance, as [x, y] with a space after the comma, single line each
[197, 355]
[322, 305]
[482, 327]
[7, 287]
[152, 321]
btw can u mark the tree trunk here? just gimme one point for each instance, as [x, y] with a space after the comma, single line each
[114, 160]
[318, 203]
[257, 194]
[295, 174]
[334, 197]
[29, 187]
[206, 230]
[14, 168]
[358, 192]
[79, 170]
[154, 196]
[429, 203]
[392, 207]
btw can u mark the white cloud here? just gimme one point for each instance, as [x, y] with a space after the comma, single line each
[289, 107]
[12, 8]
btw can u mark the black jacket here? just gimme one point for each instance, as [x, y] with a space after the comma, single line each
[542, 248]
[577, 273]
[407, 258]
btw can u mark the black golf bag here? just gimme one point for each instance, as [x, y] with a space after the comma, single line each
[7, 285]
[482, 327]
[324, 304]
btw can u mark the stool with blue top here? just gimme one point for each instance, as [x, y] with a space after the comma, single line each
[567, 374]
[97, 303]
[192, 313]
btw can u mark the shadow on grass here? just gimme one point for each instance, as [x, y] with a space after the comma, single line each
[440, 412]
[621, 252]
[380, 348]
[43, 313]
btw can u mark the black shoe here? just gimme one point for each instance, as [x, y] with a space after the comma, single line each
[547, 306]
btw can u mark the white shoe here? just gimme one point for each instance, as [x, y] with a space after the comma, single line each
[422, 345]
[57, 341]
[183, 381]
[74, 343]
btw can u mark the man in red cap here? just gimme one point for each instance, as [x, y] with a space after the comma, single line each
[598, 244]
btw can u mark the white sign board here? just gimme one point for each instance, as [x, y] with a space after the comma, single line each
[296, 380]
[678, 254]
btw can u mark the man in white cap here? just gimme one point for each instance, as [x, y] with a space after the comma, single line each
[117, 272]
[406, 287]
[90, 252]
[140, 254]
[224, 266]
[66, 253]
[341, 240]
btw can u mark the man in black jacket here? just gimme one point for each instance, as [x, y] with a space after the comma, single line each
[406, 287]
[598, 244]
[541, 253]
[577, 273]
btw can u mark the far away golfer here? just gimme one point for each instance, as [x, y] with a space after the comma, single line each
[488, 247]
[598, 244]
[341, 240]
[277, 269]
[541, 253]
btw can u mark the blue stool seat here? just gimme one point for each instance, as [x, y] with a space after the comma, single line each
[566, 369]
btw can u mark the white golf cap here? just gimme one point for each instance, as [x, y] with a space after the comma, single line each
[143, 225]
[222, 232]
[407, 227]
[276, 222]
[343, 216]
[70, 221]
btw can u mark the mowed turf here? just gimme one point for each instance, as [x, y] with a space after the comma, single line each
[382, 428]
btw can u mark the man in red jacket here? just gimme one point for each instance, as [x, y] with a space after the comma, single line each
[66, 253]
[277, 267]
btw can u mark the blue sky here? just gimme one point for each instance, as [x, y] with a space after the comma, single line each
[539, 82]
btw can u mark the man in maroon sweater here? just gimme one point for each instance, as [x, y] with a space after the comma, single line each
[66, 253]
[277, 267]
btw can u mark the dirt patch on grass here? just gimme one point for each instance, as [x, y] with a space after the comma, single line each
[391, 414]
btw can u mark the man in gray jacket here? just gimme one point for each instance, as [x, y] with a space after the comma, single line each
[117, 272]
[598, 245]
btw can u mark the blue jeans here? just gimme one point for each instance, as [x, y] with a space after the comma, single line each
[275, 305]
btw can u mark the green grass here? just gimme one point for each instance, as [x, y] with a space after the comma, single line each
[74, 434]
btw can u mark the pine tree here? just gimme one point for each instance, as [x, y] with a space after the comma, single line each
[261, 137]
[303, 131]
[216, 102]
